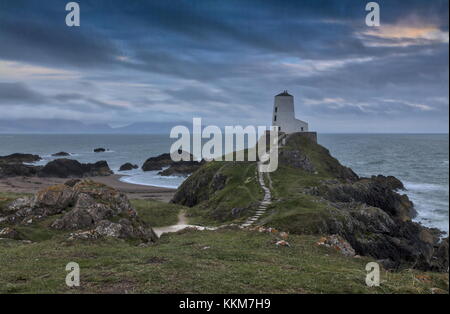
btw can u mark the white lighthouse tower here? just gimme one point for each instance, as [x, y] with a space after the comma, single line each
[284, 115]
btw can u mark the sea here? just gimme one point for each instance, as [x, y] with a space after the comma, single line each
[420, 161]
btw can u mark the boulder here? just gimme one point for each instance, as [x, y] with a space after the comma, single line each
[66, 168]
[61, 154]
[128, 166]
[99, 150]
[85, 205]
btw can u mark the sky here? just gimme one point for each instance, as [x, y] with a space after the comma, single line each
[224, 60]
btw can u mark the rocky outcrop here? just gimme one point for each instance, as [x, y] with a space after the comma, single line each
[165, 160]
[18, 170]
[376, 192]
[128, 166]
[61, 154]
[67, 168]
[157, 163]
[181, 168]
[13, 165]
[100, 150]
[198, 187]
[19, 158]
[303, 153]
[84, 205]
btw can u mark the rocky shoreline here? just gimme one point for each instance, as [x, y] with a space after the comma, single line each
[15, 165]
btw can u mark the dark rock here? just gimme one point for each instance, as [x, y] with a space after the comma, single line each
[374, 192]
[66, 168]
[99, 150]
[19, 158]
[61, 154]
[18, 170]
[181, 168]
[390, 182]
[439, 260]
[237, 212]
[164, 160]
[197, 188]
[218, 182]
[157, 163]
[128, 166]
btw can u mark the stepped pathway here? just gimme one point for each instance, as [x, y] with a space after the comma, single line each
[267, 200]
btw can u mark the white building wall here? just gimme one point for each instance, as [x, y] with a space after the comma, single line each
[284, 115]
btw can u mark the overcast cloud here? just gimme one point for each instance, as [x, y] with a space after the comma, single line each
[224, 60]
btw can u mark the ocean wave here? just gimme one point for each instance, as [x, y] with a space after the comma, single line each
[420, 187]
[137, 180]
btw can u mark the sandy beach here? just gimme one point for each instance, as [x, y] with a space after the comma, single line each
[133, 191]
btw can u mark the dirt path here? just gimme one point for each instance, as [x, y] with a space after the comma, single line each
[181, 224]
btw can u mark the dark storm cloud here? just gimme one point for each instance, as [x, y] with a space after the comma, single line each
[201, 55]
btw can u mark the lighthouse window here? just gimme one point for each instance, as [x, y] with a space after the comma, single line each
[275, 118]
[276, 109]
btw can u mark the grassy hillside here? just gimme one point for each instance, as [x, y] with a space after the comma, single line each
[190, 262]
[215, 204]
[194, 262]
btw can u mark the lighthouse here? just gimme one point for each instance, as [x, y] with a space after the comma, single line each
[284, 115]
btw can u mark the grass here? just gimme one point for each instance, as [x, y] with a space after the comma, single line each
[157, 213]
[194, 262]
[242, 190]
[6, 198]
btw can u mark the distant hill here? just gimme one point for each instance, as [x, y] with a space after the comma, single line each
[73, 126]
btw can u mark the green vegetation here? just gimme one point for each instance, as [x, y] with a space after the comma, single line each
[156, 213]
[241, 191]
[6, 198]
[292, 210]
[194, 262]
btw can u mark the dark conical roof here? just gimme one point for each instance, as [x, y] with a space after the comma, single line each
[284, 93]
